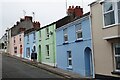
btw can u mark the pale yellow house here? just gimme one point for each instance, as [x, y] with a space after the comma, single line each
[105, 24]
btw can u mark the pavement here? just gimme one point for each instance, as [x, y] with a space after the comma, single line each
[64, 73]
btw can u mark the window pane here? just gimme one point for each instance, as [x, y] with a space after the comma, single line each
[70, 62]
[117, 62]
[109, 18]
[66, 38]
[108, 6]
[79, 35]
[65, 31]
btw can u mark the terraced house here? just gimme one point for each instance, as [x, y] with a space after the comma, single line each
[74, 49]
[105, 22]
[30, 41]
[46, 44]
[18, 43]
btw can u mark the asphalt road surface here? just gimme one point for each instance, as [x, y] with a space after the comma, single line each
[13, 68]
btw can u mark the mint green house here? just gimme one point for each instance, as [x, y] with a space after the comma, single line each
[46, 45]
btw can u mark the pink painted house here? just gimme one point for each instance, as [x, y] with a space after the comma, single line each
[17, 44]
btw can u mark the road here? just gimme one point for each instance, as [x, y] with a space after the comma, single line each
[13, 68]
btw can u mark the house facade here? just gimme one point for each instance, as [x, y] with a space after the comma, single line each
[29, 43]
[105, 23]
[73, 47]
[18, 45]
[46, 44]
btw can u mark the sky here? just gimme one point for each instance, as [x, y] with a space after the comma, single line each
[46, 11]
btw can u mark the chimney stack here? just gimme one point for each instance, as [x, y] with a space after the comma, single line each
[28, 18]
[75, 11]
[36, 25]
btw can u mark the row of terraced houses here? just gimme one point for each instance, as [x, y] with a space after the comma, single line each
[87, 44]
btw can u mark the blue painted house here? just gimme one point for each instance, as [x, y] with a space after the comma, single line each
[29, 42]
[73, 46]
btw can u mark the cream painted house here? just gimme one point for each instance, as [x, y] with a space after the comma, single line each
[105, 24]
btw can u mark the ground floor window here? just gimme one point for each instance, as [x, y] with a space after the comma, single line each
[27, 52]
[15, 50]
[117, 56]
[69, 58]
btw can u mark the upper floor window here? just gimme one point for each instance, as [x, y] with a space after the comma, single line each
[20, 38]
[47, 32]
[34, 36]
[111, 12]
[14, 39]
[109, 17]
[40, 34]
[27, 38]
[78, 31]
[65, 35]
[117, 56]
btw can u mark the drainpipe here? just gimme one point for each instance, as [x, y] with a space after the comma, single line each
[93, 59]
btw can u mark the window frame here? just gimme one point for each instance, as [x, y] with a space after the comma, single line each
[47, 32]
[78, 31]
[114, 46]
[65, 35]
[40, 35]
[34, 36]
[115, 9]
[47, 50]
[69, 59]
[28, 54]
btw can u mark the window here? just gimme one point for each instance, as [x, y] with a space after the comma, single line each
[109, 17]
[69, 58]
[117, 56]
[78, 31]
[20, 38]
[111, 12]
[40, 34]
[47, 32]
[47, 50]
[27, 52]
[118, 5]
[34, 36]
[34, 48]
[14, 40]
[15, 50]
[65, 35]
[27, 38]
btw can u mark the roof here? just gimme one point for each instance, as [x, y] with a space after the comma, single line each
[30, 30]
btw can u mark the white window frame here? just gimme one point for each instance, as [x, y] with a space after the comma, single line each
[115, 9]
[79, 31]
[47, 32]
[34, 36]
[40, 35]
[47, 50]
[115, 57]
[69, 58]
[65, 35]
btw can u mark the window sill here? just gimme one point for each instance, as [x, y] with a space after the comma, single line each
[65, 43]
[116, 72]
[79, 40]
[34, 41]
[70, 68]
[109, 26]
[47, 58]
[47, 38]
